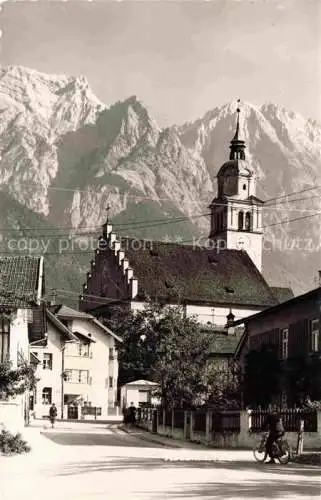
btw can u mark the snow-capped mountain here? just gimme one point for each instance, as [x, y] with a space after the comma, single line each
[65, 156]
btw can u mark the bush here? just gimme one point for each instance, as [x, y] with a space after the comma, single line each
[11, 444]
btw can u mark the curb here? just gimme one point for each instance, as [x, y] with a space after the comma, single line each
[149, 439]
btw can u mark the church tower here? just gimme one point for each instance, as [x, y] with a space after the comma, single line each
[236, 212]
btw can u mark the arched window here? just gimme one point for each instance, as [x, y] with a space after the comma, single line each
[241, 221]
[248, 221]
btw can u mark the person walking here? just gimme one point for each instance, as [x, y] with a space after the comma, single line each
[53, 414]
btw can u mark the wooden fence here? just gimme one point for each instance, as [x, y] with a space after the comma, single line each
[229, 420]
[291, 419]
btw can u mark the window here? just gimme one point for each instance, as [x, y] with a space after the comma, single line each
[76, 376]
[111, 382]
[315, 332]
[285, 341]
[244, 187]
[47, 396]
[240, 221]
[47, 361]
[111, 353]
[83, 350]
[83, 376]
[4, 339]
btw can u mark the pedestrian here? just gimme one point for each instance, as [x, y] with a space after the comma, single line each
[52, 414]
[276, 430]
[132, 414]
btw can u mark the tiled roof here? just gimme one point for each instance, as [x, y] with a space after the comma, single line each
[223, 343]
[19, 278]
[282, 293]
[197, 274]
[67, 312]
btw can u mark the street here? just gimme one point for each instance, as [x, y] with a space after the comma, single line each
[107, 463]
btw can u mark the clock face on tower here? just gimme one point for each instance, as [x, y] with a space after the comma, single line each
[243, 242]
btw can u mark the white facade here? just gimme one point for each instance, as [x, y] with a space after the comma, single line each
[18, 337]
[138, 392]
[80, 373]
[206, 314]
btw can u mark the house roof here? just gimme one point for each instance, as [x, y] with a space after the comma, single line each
[21, 281]
[222, 343]
[85, 335]
[60, 326]
[282, 293]
[107, 330]
[146, 383]
[196, 274]
[311, 295]
[65, 312]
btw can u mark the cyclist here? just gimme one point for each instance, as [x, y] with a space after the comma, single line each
[275, 427]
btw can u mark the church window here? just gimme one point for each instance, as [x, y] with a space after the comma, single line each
[248, 221]
[244, 187]
[240, 221]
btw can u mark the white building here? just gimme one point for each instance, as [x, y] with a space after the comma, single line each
[77, 366]
[21, 287]
[139, 392]
[208, 281]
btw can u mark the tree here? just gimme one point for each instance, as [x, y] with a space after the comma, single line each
[224, 383]
[161, 344]
[303, 378]
[262, 377]
[15, 381]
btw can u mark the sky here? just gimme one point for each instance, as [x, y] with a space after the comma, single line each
[180, 58]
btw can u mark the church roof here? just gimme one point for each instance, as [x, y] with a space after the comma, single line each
[235, 167]
[196, 275]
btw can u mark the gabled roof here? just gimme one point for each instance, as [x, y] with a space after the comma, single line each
[107, 330]
[146, 383]
[65, 312]
[197, 275]
[61, 327]
[21, 281]
[311, 295]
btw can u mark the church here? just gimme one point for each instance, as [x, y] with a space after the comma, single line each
[218, 281]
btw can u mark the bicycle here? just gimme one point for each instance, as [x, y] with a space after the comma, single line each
[280, 448]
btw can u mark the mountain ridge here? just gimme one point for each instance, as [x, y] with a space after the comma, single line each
[66, 156]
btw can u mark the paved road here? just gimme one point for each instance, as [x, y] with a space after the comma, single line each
[111, 436]
[122, 467]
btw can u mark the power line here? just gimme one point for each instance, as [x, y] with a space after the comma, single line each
[92, 251]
